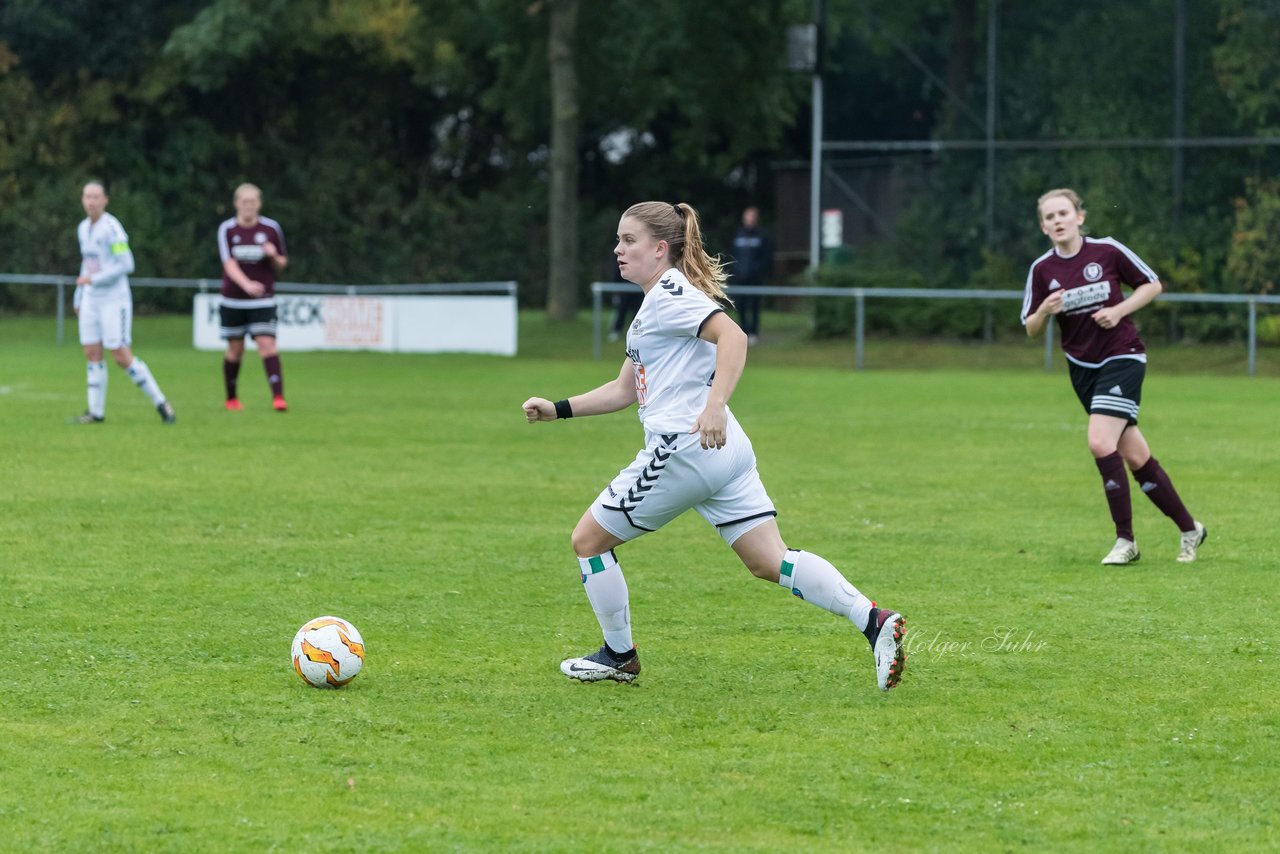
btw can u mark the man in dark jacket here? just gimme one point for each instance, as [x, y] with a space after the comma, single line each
[752, 264]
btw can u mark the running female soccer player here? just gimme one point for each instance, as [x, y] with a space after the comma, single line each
[684, 358]
[1079, 280]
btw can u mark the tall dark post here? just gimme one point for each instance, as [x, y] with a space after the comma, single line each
[815, 165]
[562, 285]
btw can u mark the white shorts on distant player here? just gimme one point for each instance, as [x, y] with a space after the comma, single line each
[106, 320]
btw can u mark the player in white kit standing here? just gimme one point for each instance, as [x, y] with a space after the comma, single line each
[104, 305]
[684, 359]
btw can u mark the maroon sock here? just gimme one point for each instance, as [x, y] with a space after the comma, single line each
[230, 373]
[274, 376]
[1155, 483]
[1111, 467]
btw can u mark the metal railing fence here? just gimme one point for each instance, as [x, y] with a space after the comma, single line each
[599, 289]
[861, 295]
[212, 285]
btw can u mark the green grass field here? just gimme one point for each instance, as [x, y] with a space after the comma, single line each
[152, 579]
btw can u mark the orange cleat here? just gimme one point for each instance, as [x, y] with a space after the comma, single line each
[234, 405]
[278, 404]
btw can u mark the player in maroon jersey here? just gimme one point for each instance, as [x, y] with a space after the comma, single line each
[1080, 282]
[252, 250]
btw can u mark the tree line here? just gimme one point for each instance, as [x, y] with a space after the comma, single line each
[418, 141]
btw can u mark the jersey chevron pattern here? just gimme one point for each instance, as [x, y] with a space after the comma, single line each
[673, 367]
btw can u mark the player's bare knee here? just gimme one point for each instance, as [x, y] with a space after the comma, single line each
[1134, 460]
[1101, 447]
[583, 542]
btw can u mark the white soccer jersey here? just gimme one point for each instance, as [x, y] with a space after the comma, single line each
[673, 366]
[105, 256]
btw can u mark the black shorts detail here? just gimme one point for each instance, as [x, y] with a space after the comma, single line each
[746, 519]
[238, 322]
[632, 523]
[1114, 389]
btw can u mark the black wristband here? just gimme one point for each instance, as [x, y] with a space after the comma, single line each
[563, 409]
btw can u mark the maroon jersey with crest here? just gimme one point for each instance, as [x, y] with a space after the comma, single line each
[244, 243]
[1089, 280]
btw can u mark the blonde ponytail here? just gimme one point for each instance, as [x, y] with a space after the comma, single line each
[678, 225]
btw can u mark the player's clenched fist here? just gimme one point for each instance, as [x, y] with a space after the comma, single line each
[539, 409]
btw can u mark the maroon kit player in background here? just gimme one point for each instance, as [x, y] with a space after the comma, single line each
[252, 251]
[1079, 280]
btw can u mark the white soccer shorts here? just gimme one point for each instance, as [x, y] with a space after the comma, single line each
[108, 322]
[674, 473]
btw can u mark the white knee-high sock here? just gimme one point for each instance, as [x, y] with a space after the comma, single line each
[814, 580]
[96, 379]
[607, 592]
[141, 376]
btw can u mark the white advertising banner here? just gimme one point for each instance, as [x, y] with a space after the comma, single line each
[399, 324]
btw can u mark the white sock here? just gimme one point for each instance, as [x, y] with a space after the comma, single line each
[96, 378]
[141, 376]
[816, 581]
[607, 592]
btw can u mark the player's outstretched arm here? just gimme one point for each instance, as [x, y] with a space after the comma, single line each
[610, 397]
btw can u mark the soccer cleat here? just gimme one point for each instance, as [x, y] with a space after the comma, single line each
[887, 630]
[88, 418]
[234, 405]
[278, 404]
[602, 664]
[1191, 541]
[167, 415]
[1123, 552]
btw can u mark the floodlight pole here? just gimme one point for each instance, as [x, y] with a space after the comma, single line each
[1179, 105]
[815, 161]
[993, 12]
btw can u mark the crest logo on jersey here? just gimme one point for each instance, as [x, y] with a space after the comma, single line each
[260, 237]
[1093, 271]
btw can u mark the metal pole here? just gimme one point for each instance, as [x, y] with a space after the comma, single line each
[1179, 105]
[1253, 337]
[993, 9]
[62, 310]
[1048, 344]
[597, 317]
[859, 329]
[815, 156]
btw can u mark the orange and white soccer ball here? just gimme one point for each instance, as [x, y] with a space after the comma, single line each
[328, 652]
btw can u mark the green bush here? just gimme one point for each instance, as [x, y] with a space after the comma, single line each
[878, 268]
